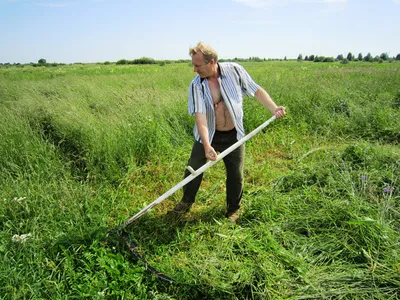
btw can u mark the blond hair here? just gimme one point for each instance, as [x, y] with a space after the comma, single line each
[208, 52]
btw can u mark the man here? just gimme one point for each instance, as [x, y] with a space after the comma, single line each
[215, 99]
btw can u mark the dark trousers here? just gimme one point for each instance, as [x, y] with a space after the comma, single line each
[234, 163]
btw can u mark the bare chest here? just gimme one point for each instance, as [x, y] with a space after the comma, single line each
[223, 119]
[215, 90]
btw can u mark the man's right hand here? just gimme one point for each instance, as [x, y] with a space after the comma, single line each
[210, 153]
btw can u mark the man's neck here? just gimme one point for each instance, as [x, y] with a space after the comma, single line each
[215, 73]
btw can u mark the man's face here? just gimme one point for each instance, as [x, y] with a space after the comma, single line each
[200, 66]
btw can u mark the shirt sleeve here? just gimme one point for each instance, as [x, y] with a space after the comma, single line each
[249, 86]
[196, 103]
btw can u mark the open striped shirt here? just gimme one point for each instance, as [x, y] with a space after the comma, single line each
[234, 83]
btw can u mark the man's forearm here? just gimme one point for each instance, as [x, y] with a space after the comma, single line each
[202, 127]
[265, 99]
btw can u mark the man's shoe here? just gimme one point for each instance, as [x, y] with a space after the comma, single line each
[182, 207]
[233, 217]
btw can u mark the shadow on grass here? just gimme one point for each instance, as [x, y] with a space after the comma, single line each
[152, 232]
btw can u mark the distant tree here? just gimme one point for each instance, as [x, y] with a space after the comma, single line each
[122, 62]
[350, 56]
[42, 61]
[311, 57]
[144, 61]
[339, 57]
[344, 61]
[360, 57]
[255, 58]
[306, 58]
[398, 57]
[368, 57]
[328, 59]
[324, 59]
[285, 58]
[384, 56]
[300, 57]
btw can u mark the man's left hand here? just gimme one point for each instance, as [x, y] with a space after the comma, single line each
[280, 112]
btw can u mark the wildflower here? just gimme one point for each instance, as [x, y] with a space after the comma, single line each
[364, 177]
[21, 238]
[20, 199]
[388, 189]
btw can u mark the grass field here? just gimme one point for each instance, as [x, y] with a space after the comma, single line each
[85, 147]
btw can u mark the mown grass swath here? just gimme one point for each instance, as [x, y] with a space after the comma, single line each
[85, 147]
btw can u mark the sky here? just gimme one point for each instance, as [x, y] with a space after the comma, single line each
[89, 31]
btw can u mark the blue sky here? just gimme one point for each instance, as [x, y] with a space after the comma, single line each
[103, 30]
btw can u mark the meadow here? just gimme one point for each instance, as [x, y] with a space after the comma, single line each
[85, 147]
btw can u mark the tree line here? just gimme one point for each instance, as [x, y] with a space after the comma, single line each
[314, 58]
[350, 57]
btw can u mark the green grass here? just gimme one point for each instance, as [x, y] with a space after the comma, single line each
[85, 147]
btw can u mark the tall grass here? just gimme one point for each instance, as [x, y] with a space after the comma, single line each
[84, 147]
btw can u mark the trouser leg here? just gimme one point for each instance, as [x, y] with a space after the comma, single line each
[197, 159]
[234, 163]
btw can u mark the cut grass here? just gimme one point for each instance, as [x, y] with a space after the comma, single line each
[83, 148]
